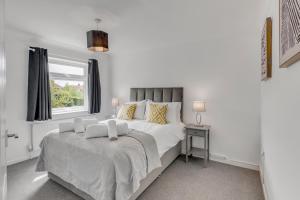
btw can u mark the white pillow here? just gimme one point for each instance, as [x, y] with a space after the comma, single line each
[140, 109]
[173, 112]
[81, 124]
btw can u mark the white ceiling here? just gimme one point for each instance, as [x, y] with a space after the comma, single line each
[131, 24]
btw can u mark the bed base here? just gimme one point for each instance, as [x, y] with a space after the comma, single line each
[166, 159]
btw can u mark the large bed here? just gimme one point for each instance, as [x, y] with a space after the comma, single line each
[167, 137]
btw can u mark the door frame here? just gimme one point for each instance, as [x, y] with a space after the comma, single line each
[3, 138]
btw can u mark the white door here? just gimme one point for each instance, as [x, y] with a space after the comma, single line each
[3, 139]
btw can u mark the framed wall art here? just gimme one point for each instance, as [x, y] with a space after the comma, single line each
[266, 50]
[289, 28]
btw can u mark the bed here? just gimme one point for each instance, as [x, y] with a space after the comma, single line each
[168, 144]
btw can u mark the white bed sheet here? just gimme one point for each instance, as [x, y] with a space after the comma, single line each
[166, 136]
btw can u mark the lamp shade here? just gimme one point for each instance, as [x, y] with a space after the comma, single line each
[115, 102]
[199, 106]
[97, 41]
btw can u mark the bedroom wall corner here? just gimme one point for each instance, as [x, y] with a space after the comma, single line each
[280, 109]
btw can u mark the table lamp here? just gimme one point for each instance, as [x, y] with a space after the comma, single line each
[115, 104]
[199, 107]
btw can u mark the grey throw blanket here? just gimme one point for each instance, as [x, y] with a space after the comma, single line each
[151, 150]
[104, 169]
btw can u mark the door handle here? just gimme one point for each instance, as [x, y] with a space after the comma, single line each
[7, 135]
[13, 135]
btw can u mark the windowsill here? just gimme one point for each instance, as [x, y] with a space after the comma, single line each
[65, 116]
[68, 115]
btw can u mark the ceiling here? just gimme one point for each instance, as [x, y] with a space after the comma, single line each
[131, 24]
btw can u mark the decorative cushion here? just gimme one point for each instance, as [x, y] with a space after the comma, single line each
[127, 111]
[157, 113]
[140, 109]
[173, 113]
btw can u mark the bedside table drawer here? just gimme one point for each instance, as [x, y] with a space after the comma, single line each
[196, 132]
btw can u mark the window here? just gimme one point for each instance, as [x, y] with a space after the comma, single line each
[68, 84]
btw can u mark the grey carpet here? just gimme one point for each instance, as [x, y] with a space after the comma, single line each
[180, 181]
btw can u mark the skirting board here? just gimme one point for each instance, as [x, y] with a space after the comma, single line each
[32, 155]
[263, 185]
[17, 160]
[234, 162]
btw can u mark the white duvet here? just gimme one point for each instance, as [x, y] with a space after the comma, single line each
[166, 136]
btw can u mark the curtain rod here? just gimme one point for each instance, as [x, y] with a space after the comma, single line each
[31, 48]
[62, 57]
[68, 58]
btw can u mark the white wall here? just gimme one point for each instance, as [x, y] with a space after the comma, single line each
[220, 65]
[17, 44]
[280, 122]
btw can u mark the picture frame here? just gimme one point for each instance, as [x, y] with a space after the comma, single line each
[289, 32]
[266, 50]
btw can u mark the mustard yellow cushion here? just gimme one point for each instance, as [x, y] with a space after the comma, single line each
[127, 111]
[157, 113]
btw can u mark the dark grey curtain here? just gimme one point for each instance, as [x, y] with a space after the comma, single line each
[94, 88]
[39, 97]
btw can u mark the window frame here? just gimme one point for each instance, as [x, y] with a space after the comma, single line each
[70, 77]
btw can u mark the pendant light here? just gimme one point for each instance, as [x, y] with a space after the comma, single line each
[97, 40]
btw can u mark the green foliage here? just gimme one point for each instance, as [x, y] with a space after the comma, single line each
[66, 96]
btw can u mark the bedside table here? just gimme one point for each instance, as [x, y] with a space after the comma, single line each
[197, 131]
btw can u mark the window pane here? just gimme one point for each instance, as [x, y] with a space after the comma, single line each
[66, 93]
[65, 69]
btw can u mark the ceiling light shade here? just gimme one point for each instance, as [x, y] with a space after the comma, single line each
[97, 40]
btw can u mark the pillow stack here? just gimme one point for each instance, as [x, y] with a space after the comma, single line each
[155, 112]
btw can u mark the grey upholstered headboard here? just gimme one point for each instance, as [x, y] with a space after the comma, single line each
[158, 95]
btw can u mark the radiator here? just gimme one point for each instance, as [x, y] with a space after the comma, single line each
[38, 131]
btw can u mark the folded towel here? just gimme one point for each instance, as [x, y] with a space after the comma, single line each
[101, 130]
[112, 129]
[87, 122]
[122, 128]
[96, 130]
[66, 127]
[80, 124]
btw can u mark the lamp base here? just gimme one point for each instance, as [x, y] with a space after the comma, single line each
[198, 119]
